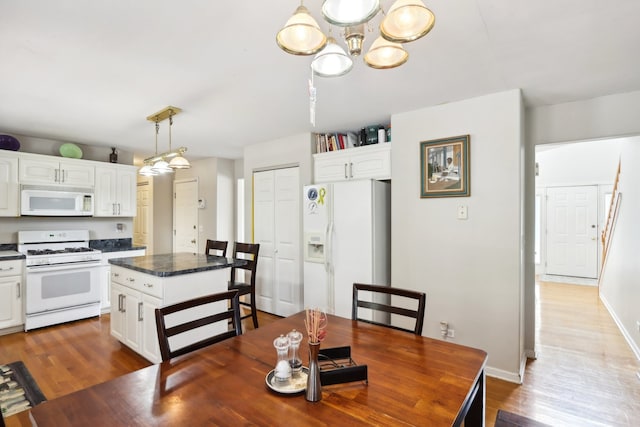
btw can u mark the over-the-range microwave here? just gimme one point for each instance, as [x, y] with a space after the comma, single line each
[56, 201]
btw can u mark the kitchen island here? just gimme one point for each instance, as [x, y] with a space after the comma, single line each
[141, 284]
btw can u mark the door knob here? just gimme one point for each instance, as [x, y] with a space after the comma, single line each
[193, 241]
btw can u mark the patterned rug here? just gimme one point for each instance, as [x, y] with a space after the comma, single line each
[18, 389]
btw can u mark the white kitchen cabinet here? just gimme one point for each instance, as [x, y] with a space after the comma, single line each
[9, 187]
[105, 275]
[40, 169]
[367, 162]
[115, 191]
[11, 292]
[136, 295]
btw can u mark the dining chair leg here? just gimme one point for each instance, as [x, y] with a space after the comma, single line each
[254, 310]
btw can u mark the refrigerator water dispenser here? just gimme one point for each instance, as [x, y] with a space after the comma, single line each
[314, 247]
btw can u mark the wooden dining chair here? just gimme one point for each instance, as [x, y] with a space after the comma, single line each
[199, 317]
[216, 245]
[417, 314]
[248, 252]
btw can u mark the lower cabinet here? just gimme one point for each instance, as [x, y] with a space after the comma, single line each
[135, 297]
[11, 301]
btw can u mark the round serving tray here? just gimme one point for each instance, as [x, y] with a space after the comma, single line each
[297, 383]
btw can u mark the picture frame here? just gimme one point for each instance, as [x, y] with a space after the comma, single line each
[445, 167]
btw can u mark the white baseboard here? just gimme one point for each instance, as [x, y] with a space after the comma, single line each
[512, 377]
[625, 333]
[531, 354]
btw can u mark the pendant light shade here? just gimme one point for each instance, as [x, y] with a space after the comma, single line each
[407, 20]
[147, 171]
[301, 34]
[332, 61]
[161, 167]
[348, 13]
[179, 162]
[384, 54]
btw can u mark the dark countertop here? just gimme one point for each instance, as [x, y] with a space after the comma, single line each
[166, 265]
[114, 245]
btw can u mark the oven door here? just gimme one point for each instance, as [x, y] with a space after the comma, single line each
[51, 288]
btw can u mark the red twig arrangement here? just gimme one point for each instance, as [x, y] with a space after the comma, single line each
[316, 324]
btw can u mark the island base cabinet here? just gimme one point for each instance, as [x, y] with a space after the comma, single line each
[135, 296]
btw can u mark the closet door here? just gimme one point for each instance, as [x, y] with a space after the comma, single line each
[276, 201]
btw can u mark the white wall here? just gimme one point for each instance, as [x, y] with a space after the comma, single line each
[470, 269]
[619, 285]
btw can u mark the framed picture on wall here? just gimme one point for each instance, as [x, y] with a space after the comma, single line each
[444, 167]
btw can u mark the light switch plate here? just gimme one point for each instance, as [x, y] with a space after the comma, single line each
[462, 212]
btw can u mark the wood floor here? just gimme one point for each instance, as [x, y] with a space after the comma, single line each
[585, 374]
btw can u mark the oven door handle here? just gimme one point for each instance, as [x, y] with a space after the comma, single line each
[58, 267]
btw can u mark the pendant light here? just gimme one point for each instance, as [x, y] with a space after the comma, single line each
[160, 165]
[406, 21]
[332, 61]
[301, 35]
[384, 54]
[349, 13]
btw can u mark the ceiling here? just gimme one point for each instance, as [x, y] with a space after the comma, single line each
[92, 71]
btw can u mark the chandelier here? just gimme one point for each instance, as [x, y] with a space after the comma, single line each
[405, 21]
[168, 161]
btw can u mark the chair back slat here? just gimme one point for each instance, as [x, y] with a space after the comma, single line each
[417, 314]
[231, 312]
[216, 245]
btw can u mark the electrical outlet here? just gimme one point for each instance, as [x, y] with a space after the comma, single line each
[462, 212]
[451, 333]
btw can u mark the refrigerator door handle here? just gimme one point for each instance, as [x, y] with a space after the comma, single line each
[328, 247]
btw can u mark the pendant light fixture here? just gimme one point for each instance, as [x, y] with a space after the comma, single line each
[406, 21]
[157, 164]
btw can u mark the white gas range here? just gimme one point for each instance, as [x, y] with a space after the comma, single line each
[62, 277]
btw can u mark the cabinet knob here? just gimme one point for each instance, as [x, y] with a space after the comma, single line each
[148, 285]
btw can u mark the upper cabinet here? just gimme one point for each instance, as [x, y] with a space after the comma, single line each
[55, 171]
[9, 186]
[115, 191]
[366, 162]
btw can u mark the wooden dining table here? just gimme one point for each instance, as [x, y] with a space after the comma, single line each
[412, 380]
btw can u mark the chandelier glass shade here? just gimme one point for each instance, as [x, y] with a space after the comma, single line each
[332, 61]
[301, 34]
[405, 21]
[385, 54]
[348, 13]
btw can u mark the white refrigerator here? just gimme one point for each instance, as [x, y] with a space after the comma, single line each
[347, 238]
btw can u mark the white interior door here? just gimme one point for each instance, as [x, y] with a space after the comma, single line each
[277, 230]
[143, 218]
[572, 231]
[264, 233]
[185, 216]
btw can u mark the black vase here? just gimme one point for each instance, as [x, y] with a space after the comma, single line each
[113, 157]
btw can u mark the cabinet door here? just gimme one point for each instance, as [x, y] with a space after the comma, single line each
[132, 319]
[9, 194]
[105, 192]
[330, 167]
[374, 164]
[127, 193]
[117, 313]
[150, 347]
[40, 171]
[77, 175]
[10, 301]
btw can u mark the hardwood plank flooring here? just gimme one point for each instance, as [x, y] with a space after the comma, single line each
[585, 374]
